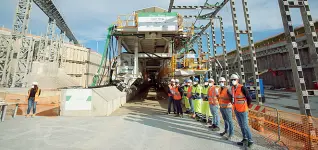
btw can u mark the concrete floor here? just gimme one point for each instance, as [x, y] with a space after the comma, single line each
[139, 125]
[288, 101]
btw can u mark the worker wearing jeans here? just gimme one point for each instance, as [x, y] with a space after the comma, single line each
[170, 96]
[214, 106]
[225, 100]
[241, 102]
[33, 97]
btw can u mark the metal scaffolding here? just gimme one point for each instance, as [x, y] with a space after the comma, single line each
[18, 54]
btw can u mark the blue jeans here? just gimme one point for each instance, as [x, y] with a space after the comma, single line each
[191, 105]
[31, 104]
[228, 121]
[216, 117]
[171, 101]
[242, 119]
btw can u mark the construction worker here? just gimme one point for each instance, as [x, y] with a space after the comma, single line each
[214, 106]
[241, 102]
[225, 100]
[177, 99]
[196, 98]
[33, 98]
[205, 109]
[170, 96]
[187, 95]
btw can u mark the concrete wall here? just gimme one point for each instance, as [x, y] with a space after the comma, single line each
[104, 101]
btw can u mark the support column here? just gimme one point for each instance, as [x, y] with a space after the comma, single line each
[19, 46]
[238, 42]
[119, 50]
[136, 58]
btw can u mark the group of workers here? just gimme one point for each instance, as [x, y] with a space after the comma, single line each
[203, 102]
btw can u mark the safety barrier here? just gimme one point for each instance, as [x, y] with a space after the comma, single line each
[294, 131]
[46, 106]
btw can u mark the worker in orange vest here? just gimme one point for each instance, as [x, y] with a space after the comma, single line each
[177, 99]
[170, 96]
[214, 106]
[241, 102]
[225, 100]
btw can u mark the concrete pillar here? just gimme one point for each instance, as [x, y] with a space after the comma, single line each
[136, 59]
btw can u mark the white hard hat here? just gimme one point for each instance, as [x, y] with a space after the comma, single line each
[189, 81]
[35, 83]
[177, 80]
[234, 76]
[211, 80]
[222, 79]
[172, 80]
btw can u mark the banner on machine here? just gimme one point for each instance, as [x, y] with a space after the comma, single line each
[78, 99]
[157, 21]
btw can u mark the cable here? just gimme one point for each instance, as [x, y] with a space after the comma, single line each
[206, 1]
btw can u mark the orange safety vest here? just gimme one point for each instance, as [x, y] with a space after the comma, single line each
[176, 93]
[240, 101]
[212, 96]
[170, 87]
[224, 99]
[189, 92]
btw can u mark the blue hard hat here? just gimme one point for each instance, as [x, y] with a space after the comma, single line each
[206, 80]
[196, 80]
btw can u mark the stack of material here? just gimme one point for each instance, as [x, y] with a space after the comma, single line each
[49, 76]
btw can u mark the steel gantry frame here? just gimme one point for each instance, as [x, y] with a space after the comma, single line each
[223, 45]
[51, 11]
[292, 47]
[19, 48]
[16, 58]
[248, 31]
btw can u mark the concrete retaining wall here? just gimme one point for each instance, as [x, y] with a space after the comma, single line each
[105, 100]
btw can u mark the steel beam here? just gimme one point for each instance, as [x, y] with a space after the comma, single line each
[193, 7]
[4, 44]
[249, 33]
[209, 15]
[170, 5]
[297, 69]
[51, 11]
[311, 35]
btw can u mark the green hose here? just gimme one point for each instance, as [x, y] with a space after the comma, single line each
[96, 77]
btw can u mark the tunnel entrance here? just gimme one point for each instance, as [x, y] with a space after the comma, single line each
[151, 101]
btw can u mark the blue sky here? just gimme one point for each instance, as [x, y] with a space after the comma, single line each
[89, 20]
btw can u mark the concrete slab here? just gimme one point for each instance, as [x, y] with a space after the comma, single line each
[148, 132]
[288, 101]
[135, 126]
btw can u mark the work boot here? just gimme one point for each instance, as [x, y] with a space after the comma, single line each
[33, 115]
[250, 144]
[212, 126]
[168, 113]
[243, 142]
[229, 137]
[216, 128]
[177, 115]
[223, 133]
